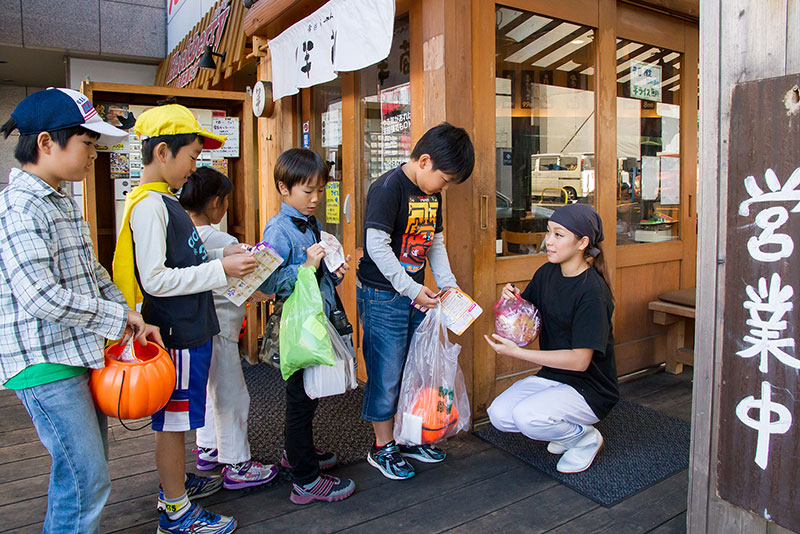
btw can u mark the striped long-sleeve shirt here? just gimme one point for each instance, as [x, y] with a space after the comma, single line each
[56, 301]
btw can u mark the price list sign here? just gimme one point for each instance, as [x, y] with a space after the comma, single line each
[759, 431]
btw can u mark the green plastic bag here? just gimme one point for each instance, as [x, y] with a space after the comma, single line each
[304, 339]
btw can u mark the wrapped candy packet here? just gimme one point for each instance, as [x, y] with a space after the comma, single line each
[518, 320]
[334, 253]
[127, 354]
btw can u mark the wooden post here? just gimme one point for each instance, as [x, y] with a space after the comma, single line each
[605, 95]
[484, 180]
[447, 96]
[742, 41]
[275, 134]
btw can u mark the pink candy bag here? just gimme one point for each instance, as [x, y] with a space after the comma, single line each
[518, 320]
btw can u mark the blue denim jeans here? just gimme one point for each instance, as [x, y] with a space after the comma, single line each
[389, 322]
[74, 433]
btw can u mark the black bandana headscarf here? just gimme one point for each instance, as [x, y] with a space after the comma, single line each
[582, 220]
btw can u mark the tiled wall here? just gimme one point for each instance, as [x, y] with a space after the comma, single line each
[132, 28]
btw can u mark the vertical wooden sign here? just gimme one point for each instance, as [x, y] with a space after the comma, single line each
[759, 435]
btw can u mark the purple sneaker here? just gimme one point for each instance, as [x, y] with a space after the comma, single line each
[206, 458]
[247, 474]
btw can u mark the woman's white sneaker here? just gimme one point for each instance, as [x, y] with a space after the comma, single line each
[556, 447]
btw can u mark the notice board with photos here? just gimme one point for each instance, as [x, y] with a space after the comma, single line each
[126, 156]
[759, 431]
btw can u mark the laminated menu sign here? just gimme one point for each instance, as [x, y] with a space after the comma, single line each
[228, 126]
[240, 289]
[460, 310]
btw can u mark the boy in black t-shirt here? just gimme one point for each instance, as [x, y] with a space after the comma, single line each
[403, 229]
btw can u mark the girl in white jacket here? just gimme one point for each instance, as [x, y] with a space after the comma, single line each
[223, 439]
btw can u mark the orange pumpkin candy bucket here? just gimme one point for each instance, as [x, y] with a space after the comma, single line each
[133, 389]
[438, 413]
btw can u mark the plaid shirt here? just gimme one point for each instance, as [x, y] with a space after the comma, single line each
[57, 302]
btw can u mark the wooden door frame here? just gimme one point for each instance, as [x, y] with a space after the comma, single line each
[611, 20]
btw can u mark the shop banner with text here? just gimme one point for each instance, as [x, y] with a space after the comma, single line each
[759, 430]
[342, 35]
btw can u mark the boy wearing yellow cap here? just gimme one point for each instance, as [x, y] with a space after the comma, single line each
[161, 261]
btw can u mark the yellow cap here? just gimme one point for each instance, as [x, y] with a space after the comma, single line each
[174, 119]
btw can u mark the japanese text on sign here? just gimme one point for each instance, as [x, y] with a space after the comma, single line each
[227, 126]
[758, 451]
[332, 203]
[768, 305]
[646, 81]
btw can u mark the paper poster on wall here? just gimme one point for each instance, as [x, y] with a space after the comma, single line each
[331, 126]
[227, 126]
[135, 163]
[645, 81]
[650, 170]
[670, 180]
[332, 203]
[119, 165]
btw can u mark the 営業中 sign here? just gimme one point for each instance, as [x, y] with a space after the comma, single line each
[759, 430]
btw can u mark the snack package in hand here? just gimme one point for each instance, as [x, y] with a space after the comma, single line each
[518, 320]
[334, 253]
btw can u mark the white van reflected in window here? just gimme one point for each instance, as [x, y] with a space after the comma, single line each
[574, 173]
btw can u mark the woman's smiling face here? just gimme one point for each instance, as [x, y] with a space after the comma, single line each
[562, 245]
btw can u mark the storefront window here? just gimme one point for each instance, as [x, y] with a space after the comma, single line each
[385, 111]
[648, 143]
[545, 124]
[325, 138]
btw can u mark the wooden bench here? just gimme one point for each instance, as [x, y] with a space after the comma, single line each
[675, 310]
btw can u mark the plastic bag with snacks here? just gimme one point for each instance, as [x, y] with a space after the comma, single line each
[518, 320]
[433, 402]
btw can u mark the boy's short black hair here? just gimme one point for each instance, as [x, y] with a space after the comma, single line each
[450, 150]
[174, 142]
[204, 185]
[27, 150]
[298, 166]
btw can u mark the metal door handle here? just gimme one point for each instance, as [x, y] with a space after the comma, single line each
[346, 208]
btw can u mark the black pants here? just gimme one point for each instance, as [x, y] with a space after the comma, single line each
[298, 431]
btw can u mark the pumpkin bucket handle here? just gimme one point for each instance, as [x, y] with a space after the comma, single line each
[119, 407]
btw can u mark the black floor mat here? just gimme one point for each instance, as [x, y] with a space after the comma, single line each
[641, 447]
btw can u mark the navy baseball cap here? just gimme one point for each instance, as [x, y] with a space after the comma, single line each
[57, 109]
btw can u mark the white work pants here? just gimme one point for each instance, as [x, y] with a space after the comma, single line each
[541, 409]
[227, 405]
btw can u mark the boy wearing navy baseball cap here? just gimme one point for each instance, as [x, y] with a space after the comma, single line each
[58, 302]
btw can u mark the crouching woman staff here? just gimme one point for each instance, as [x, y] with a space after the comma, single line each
[577, 385]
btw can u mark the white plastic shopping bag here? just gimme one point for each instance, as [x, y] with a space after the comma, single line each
[328, 380]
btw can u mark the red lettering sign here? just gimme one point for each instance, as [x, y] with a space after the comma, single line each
[183, 61]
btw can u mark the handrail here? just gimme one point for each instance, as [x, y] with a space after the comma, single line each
[566, 194]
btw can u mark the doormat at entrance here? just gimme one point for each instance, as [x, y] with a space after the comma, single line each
[338, 426]
[641, 447]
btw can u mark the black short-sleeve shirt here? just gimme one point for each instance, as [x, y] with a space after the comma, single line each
[398, 207]
[576, 314]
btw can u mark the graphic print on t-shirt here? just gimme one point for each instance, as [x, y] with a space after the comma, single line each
[419, 232]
